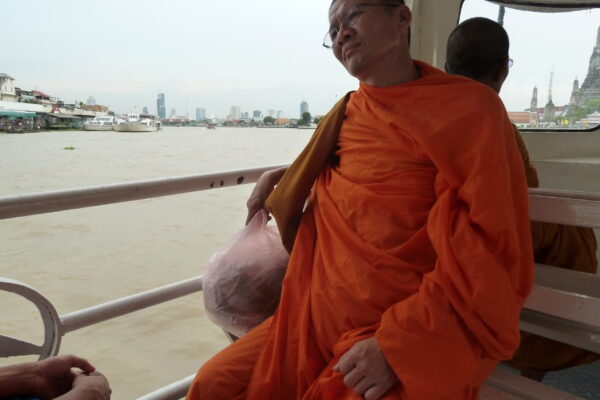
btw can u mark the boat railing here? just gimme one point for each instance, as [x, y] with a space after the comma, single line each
[564, 305]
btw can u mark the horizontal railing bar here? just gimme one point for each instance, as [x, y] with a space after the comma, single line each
[570, 306]
[569, 332]
[39, 203]
[174, 391]
[112, 309]
[567, 280]
[562, 210]
[570, 194]
[546, 205]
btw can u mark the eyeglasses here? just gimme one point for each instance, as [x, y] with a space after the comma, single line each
[510, 62]
[349, 21]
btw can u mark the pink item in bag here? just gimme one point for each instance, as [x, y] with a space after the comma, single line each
[242, 282]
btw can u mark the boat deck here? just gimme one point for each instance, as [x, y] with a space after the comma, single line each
[582, 381]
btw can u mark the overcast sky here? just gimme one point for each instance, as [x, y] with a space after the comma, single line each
[258, 55]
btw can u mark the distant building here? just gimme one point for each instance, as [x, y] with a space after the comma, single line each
[173, 113]
[523, 119]
[161, 110]
[200, 114]
[303, 108]
[534, 100]
[96, 108]
[270, 113]
[145, 110]
[593, 118]
[91, 101]
[7, 88]
[590, 88]
[235, 113]
[257, 114]
[245, 115]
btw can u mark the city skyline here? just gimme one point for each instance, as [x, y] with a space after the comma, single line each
[253, 55]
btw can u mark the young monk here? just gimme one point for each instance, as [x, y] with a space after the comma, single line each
[478, 48]
[411, 262]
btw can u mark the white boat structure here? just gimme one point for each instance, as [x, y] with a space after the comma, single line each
[138, 123]
[104, 123]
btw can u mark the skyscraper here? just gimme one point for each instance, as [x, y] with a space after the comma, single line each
[257, 114]
[303, 107]
[145, 110]
[161, 110]
[235, 113]
[200, 114]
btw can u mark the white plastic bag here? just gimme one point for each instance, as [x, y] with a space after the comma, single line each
[242, 281]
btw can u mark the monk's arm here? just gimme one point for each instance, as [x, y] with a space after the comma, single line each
[465, 316]
[263, 188]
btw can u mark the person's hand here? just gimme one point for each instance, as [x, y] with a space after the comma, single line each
[366, 371]
[264, 186]
[88, 387]
[53, 376]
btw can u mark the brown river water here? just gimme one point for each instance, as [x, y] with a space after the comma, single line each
[84, 257]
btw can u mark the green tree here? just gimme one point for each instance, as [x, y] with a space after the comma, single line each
[269, 120]
[305, 120]
[592, 105]
[317, 120]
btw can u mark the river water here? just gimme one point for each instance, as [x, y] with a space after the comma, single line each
[84, 257]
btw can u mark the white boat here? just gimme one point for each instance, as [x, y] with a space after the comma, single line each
[137, 123]
[104, 123]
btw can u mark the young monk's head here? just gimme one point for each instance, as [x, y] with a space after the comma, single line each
[478, 49]
[370, 39]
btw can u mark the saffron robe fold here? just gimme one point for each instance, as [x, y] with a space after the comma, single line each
[417, 234]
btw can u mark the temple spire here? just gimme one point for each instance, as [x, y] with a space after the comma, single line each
[534, 100]
[550, 88]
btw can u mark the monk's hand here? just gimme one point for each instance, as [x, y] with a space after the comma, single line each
[263, 188]
[366, 371]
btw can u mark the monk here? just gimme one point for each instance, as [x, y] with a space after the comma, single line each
[412, 258]
[478, 48]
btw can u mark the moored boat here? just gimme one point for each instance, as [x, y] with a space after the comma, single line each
[138, 123]
[104, 123]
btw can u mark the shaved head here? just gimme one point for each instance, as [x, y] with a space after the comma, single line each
[476, 48]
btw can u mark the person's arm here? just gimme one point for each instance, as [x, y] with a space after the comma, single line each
[17, 380]
[264, 186]
[88, 387]
[45, 379]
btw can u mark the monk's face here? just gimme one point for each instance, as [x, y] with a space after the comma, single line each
[369, 36]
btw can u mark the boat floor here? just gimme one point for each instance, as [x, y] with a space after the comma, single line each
[582, 381]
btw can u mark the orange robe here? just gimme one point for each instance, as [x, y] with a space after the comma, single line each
[564, 246]
[416, 232]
